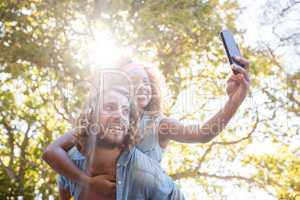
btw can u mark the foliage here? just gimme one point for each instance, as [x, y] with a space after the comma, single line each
[43, 76]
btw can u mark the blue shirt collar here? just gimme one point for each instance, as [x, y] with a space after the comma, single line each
[125, 156]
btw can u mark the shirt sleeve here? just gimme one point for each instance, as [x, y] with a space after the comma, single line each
[62, 182]
[164, 188]
[78, 160]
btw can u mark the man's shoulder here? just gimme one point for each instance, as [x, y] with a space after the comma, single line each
[141, 162]
[148, 174]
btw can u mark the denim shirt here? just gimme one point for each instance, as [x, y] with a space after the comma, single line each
[138, 177]
[149, 144]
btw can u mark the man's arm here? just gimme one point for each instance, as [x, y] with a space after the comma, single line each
[237, 88]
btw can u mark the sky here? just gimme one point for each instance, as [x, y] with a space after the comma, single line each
[258, 30]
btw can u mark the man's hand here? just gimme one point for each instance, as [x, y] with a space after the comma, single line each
[104, 185]
[238, 84]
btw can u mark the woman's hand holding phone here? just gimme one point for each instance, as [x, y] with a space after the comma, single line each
[238, 84]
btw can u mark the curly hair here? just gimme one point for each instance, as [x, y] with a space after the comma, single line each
[90, 113]
[156, 80]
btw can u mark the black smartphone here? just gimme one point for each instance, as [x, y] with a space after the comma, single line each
[231, 47]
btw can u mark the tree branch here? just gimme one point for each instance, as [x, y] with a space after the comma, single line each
[244, 138]
[24, 146]
[8, 170]
[10, 141]
[193, 172]
[188, 174]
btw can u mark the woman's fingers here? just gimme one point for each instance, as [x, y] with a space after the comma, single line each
[243, 61]
[240, 70]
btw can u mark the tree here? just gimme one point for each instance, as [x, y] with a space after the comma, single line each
[43, 79]
[36, 71]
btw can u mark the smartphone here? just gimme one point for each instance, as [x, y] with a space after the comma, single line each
[231, 47]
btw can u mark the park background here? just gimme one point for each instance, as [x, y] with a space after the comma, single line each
[49, 48]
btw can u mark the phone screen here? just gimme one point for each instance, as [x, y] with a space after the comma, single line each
[230, 46]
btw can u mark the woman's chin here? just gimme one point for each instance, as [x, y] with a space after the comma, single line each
[142, 104]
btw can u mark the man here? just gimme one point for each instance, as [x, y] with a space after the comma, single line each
[108, 133]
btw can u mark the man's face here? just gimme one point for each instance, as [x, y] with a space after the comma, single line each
[114, 117]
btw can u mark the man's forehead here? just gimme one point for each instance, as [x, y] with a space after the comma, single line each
[136, 72]
[115, 96]
[109, 77]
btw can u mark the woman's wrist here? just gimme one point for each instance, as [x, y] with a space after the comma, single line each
[84, 179]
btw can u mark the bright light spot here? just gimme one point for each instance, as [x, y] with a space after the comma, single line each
[103, 50]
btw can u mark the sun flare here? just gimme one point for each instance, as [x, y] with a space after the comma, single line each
[103, 49]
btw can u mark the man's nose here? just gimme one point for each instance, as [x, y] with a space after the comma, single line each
[118, 114]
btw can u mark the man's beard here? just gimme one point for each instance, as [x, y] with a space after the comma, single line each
[100, 138]
[106, 144]
[103, 141]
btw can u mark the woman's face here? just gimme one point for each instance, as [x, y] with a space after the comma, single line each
[142, 86]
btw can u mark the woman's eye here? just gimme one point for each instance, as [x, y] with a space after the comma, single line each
[125, 111]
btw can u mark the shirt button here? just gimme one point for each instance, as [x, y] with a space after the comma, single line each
[119, 182]
[118, 165]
